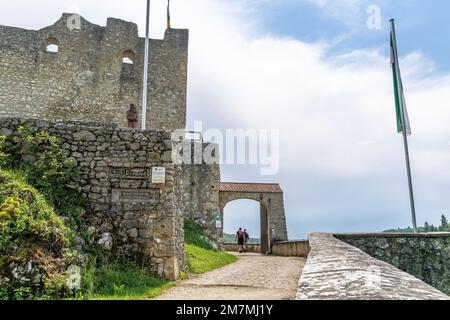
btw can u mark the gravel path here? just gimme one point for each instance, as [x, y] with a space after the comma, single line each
[252, 277]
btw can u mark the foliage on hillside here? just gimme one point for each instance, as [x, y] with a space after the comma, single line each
[46, 166]
[34, 242]
[38, 192]
[200, 253]
[231, 238]
[195, 234]
[444, 227]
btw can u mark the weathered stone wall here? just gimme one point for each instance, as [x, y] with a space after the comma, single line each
[291, 248]
[425, 256]
[336, 270]
[234, 247]
[201, 190]
[86, 79]
[126, 213]
[282, 248]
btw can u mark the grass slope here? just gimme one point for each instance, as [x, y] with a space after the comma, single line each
[201, 260]
[200, 253]
[122, 282]
[128, 282]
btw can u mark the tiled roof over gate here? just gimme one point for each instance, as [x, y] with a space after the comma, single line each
[250, 187]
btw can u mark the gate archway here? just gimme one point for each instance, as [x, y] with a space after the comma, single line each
[270, 197]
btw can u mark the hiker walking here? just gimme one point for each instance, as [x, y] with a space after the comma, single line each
[246, 239]
[240, 237]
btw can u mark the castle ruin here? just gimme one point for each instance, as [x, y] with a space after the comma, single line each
[79, 82]
[92, 74]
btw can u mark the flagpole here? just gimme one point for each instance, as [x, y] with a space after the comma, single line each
[168, 15]
[411, 191]
[146, 58]
[405, 138]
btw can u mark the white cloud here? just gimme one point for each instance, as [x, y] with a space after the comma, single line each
[344, 10]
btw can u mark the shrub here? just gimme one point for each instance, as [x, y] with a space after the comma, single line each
[47, 166]
[195, 234]
[34, 242]
[25, 215]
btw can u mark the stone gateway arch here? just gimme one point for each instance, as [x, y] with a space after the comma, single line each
[270, 197]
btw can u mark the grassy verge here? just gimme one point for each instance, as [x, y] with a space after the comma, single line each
[123, 282]
[200, 252]
[127, 282]
[200, 260]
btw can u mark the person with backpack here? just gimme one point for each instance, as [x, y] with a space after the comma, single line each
[246, 239]
[240, 237]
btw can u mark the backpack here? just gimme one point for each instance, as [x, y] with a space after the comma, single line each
[241, 234]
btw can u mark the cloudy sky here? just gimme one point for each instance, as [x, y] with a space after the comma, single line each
[315, 71]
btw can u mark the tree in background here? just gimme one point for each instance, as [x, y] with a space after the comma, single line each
[443, 227]
[444, 224]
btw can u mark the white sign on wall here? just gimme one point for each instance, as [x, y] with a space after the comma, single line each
[218, 224]
[158, 175]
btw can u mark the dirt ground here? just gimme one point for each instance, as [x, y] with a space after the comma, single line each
[252, 277]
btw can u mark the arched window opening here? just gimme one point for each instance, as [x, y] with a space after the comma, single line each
[128, 57]
[52, 45]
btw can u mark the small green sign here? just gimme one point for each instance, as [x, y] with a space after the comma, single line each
[217, 216]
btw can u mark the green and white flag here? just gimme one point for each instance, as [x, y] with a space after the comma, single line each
[400, 103]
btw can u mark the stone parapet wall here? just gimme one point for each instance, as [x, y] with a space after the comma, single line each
[425, 256]
[144, 221]
[234, 247]
[291, 248]
[336, 270]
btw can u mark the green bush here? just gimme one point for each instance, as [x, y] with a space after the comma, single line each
[3, 155]
[195, 234]
[31, 231]
[25, 215]
[47, 167]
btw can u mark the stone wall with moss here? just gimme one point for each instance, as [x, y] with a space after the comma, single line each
[126, 213]
[425, 256]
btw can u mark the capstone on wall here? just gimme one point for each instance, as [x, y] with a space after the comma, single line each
[138, 220]
[425, 256]
[86, 80]
[336, 270]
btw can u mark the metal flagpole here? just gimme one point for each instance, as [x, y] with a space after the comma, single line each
[405, 137]
[168, 15]
[146, 54]
[408, 169]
